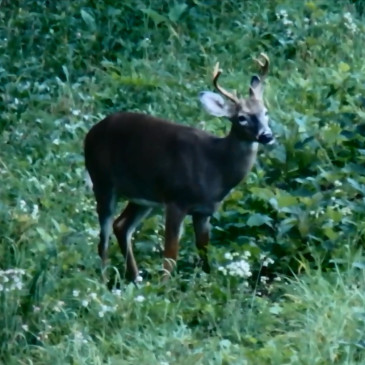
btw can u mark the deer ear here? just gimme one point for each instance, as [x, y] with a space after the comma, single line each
[214, 104]
[255, 87]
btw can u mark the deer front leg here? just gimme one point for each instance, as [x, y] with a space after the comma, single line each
[124, 227]
[174, 218]
[202, 235]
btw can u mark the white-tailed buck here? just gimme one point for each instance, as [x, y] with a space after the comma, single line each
[153, 162]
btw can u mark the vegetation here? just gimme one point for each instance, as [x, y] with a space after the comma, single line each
[288, 280]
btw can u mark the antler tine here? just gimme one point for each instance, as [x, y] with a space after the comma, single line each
[216, 73]
[263, 64]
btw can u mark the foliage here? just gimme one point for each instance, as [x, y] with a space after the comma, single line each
[288, 279]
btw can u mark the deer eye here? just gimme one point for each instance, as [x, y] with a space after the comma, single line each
[242, 120]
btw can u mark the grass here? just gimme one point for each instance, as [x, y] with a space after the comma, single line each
[296, 224]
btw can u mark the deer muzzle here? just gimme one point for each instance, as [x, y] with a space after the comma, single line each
[266, 138]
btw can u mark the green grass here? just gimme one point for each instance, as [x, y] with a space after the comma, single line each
[297, 222]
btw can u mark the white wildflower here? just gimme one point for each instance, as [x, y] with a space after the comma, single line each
[223, 270]
[101, 314]
[75, 293]
[349, 22]
[93, 296]
[117, 292]
[35, 212]
[18, 285]
[59, 305]
[85, 303]
[11, 279]
[56, 141]
[78, 335]
[228, 256]
[287, 22]
[23, 205]
[104, 309]
[139, 298]
[268, 261]
[239, 268]
[283, 13]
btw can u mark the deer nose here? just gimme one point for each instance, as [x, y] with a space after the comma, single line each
[266, 138]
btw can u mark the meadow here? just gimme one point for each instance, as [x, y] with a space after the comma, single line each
[287, 284]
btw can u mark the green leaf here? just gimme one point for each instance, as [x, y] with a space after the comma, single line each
[330, 233]
[88, 19]
[262, 193]
[343, 67]
[176, 11]
[356, 185]
[258, 219]
[359, 265]
[44, 235]
[286, 200]
[65, 71]
[331, 133]
[154, 16]
[279, 153]
[275, 309]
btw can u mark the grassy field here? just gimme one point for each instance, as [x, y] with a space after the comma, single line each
[287, 285]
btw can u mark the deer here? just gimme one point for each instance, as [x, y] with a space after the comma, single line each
[153, 162]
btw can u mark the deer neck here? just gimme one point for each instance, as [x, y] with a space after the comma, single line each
[239, 156]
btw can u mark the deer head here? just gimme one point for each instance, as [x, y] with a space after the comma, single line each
[249, 116]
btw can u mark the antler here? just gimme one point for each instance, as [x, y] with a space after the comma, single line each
[216, 73]
[264, 64]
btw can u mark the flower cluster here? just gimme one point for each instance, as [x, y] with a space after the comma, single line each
[238, 265]
[349, 22]
[80, 338]
[11, 279]
[317, 213]
[282, 16]
[266, 261]
[24, 208]
[93, 298]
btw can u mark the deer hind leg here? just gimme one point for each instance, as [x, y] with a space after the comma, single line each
[124, 227]
[202, 234]
[174, 218]
[105, 206]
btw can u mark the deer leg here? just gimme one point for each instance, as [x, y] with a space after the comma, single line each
[124, 227]
[202, 234]
[174, 218]
[105, 206]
